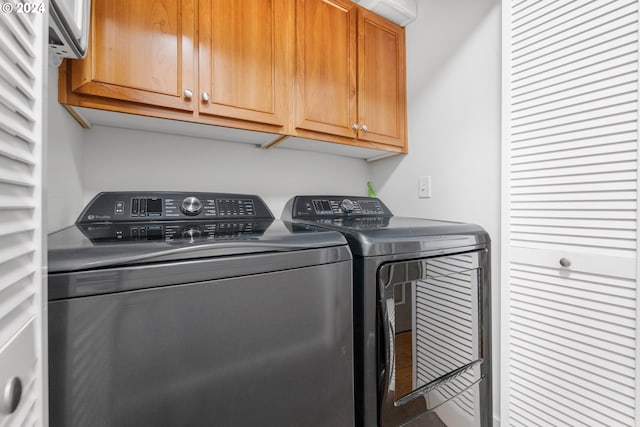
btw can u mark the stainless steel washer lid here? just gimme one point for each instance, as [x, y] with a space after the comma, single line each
[398, 235]
[86, 247]
[372, 230]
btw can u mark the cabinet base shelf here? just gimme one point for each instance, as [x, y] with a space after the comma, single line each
[87, 117]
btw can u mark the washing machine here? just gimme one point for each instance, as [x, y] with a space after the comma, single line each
[197, 309]
[422, 313]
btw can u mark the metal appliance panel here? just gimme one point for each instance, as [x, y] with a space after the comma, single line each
[372, 230]
[369, 344]
[266, 349]
[438, 355]
[85, 247]
[73, 284]
[143, 206]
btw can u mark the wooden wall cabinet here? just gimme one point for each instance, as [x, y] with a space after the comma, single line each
[306, 68]
[243, 59]
[141, 51]
[350, 75]
[220, 62]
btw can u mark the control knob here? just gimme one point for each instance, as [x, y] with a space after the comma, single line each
[191, 233]
[191, 206]
[347, 206]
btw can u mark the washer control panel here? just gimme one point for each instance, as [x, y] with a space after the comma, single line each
[179, 232]
[167, 206]
[337, 207]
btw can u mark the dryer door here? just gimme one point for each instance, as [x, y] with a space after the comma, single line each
[432, 327]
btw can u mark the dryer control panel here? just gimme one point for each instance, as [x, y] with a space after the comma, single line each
[307, 207]
[171, 206]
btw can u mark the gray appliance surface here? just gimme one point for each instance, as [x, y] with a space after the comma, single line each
[376, 231]
[84, 247]
[108, 233]
[429, 278]
[235, 320]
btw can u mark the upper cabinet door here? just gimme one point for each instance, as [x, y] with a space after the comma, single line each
[326, 66]
[140, 51]
[381, 80]
[243, 59]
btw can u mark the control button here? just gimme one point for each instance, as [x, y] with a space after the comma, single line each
[143, 207]
[135, 203]
[191, 206]
[119, 207]
[347, 206]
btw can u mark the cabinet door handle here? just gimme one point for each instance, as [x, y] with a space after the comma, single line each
[355, 127]
[205, 97]
[11, 395]
[188, 94]
[565, 262]
[364, 128]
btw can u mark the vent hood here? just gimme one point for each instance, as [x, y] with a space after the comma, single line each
[68, 29]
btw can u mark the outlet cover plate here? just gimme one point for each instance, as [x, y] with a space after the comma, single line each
[424, 187]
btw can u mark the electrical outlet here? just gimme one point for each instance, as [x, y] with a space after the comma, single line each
[424, 187]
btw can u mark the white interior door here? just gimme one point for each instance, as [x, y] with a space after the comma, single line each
[22, 322]
[570, 213]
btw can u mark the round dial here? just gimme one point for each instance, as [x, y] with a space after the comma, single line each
[347, 206]
[191, 206]
[191, 233]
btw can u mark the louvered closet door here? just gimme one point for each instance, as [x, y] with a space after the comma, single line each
[570, 147]
[22, 66]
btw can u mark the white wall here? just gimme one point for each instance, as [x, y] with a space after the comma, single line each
[63, 187]
[81, 163]
[124, 159]
[453, 73]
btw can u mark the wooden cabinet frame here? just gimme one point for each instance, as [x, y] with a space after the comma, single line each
[356, 96]
[279, 102]
[102, 75]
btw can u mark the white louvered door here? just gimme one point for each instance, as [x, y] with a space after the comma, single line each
[22, 73]
[570, 213]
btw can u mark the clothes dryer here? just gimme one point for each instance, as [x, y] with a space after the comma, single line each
[422, 313]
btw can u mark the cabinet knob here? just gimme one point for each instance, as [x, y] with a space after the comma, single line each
[565, 262]
[188, 94]
[11, 395]
[205, 97]
[364, 128]
[355, 127]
